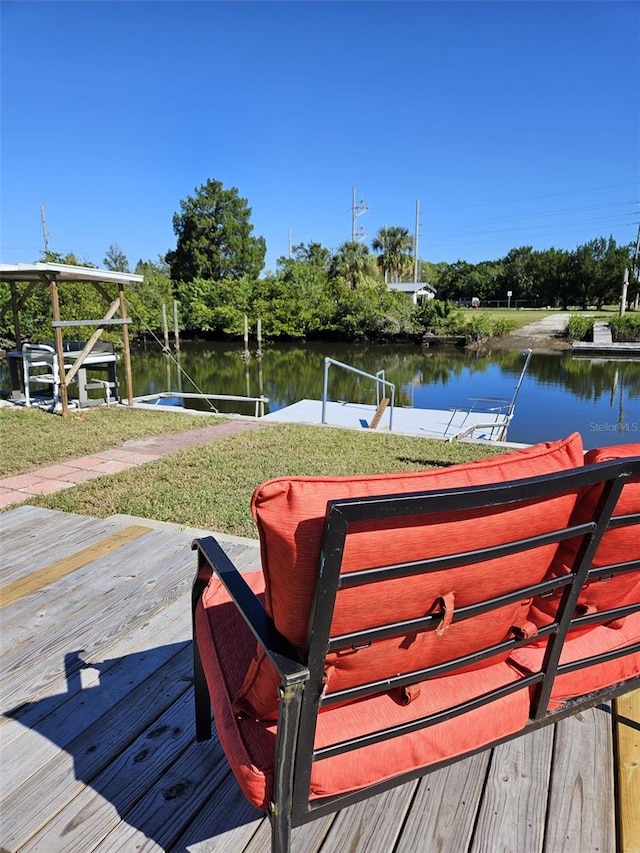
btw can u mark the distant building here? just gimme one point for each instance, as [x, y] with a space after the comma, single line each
[419, 290]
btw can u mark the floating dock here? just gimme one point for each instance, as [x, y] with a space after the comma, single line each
[429, 423]
[610, 350]
[604, 345]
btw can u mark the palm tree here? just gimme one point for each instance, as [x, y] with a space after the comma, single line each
[394, 244]
[352, 262]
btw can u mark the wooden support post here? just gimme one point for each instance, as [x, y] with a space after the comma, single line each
[165, 330]
[167, 363]
[176, 330]
[20, 300]
[57, 332]
[260, 388]
[16, 314]
[245, 353]
[259, 334]
[125, 345]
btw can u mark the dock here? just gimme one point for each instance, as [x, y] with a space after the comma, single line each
[604, 345]
[428, 423]
[98, 741]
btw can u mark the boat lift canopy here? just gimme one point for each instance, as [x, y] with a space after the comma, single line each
[51, 275]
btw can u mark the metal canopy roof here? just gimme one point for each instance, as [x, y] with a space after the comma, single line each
[411, 286]
[64, 272]
[50, 275]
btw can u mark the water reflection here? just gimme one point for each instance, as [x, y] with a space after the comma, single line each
[560, 394]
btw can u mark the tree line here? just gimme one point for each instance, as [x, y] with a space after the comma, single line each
[216, 274]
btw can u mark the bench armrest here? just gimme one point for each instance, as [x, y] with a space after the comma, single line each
[212, 558]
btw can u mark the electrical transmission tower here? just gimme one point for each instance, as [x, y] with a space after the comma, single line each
[357, 209]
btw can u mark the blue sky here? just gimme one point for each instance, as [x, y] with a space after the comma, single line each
[512, 123]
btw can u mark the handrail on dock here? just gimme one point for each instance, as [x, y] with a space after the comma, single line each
[164, 395]
[378, 378]
[527, 353]
[499, 426]
[503, 412]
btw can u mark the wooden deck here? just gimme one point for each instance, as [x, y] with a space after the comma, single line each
[98, 737]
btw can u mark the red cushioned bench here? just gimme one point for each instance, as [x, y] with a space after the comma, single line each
[404, 621]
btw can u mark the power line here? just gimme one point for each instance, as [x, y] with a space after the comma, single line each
[548, 195]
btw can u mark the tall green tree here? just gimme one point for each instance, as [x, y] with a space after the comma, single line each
[353, 264]
[394, 243]
[147, 299]
[214, 306]
[551, 274]
[215, 237]
[115, 259]
[599, 271]
[305, 275]
[312, 253]
[519, 275]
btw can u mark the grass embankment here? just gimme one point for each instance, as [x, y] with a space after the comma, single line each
[210, 486]
[30, 438]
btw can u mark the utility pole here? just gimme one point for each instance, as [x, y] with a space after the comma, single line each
[635, 269]
[45, 233]
[416, 257]
[356, 211]
[623, 295]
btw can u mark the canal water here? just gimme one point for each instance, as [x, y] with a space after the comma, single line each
[560, 394]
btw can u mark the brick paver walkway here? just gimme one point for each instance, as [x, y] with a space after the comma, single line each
[63, 475]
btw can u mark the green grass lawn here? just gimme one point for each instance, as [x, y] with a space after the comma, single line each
[31, 438]
[518, 317]
[210, 487]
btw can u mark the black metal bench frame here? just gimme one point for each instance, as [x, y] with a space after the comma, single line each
[301, 681]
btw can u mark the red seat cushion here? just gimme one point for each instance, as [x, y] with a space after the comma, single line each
[596, 641]
[226, 646]
[617, 546]
[290, 514]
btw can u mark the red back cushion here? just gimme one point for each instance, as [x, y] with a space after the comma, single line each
[617, 546]
[290, 514]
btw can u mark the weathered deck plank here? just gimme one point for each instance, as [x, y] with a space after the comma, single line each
[444, 810]
[99, 741]
[108, 598]
[98, 807]
[627, 720]
[581, 815]
[99, 751]
[40, 536]
[513, 808]
[51, 572]
[375, 823]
